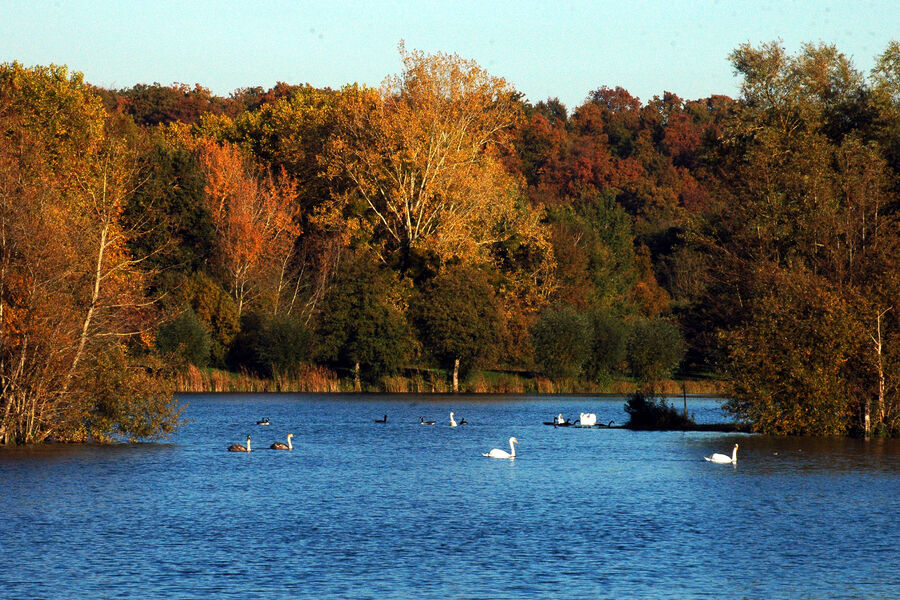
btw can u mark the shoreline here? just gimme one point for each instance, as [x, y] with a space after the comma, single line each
[319, 380]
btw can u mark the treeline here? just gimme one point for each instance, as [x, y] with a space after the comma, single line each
[441, 223]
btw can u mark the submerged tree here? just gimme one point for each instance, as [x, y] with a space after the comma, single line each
[803, 247]
[72, 298]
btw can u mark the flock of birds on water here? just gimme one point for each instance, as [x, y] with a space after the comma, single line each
[584, 420]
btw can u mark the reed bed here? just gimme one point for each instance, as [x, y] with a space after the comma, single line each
[316, 379]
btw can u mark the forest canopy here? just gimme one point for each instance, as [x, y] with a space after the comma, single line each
[442, 225]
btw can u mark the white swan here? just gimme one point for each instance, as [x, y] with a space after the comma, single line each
[452, 420]
[723, 458]
[497, 453]
[587, 420]
[239, 448]
[283, 446]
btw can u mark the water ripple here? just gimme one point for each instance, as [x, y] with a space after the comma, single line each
[360, 510]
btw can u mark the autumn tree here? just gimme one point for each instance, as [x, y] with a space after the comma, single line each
[421, 156]
[291, 133]
[256, 222]
[800, 203]
[72, 302]
[158, 104]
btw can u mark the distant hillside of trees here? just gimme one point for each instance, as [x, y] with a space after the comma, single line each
[441, 222]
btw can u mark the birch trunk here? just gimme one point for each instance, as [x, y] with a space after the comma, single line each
[879, 407]
[88, 317]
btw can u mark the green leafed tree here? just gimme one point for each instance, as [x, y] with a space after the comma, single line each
[169, 205]
[655, 349]
[609, 346]
[797, 369]
[459, 319]
[271, 345]
[187, 338]
[360, 325]
[562, 339]
[802, 246]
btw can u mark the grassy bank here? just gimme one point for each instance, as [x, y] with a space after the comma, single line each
[323, 380]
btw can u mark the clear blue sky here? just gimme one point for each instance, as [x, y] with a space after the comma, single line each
[545, 49]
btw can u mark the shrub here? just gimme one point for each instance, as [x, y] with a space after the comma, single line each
[655, 348]
[647, 412]
[270, 346]
[186, 338]
[562, 340]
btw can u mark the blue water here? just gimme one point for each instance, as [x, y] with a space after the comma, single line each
[398, 510]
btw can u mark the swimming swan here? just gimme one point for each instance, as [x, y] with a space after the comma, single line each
[422, 421]
[384, 420]
[497, 453]
[452, 421]
[587, 419]
[722, 458]
[263, 421]
[283, 446]
[239, 448]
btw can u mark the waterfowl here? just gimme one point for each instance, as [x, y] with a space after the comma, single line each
[283, 446]
[724, 458]
[239, 448]
[384, 420]
[452, 420]
[587, 419]
[263, 421]
[463, 421]
[497, 453]
[422, 421]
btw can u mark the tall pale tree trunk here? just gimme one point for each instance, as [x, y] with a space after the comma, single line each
[879, 364]
[456, 375]
[89, 315]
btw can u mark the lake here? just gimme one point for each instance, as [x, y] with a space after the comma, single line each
[399, 510]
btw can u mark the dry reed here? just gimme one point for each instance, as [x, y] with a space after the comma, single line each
[317, 379]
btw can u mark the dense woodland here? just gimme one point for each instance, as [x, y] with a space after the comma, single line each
[441, 225]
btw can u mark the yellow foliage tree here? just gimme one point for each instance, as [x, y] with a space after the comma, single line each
[421, 156]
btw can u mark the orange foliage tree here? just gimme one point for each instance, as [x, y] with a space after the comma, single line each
[256, 219]
[72, 306]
